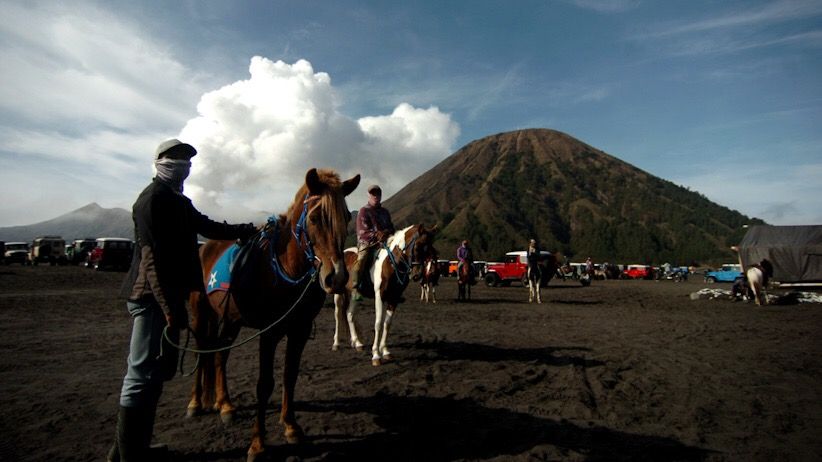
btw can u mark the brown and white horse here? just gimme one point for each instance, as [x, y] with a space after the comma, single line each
[465, 279]
[429, 279]
[390, 274]
[758, 276]
[278, 296]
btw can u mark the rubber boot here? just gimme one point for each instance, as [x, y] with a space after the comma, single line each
[131, 428]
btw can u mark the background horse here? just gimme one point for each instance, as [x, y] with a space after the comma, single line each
[465, 279]
[429, 279]
[758, 276]
[390, 274]
[291, 265]
[547, 267]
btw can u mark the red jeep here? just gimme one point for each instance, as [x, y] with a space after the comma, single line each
[638, 272]
[513, 269]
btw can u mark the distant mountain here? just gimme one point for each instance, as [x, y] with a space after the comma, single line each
[501, 190]
[89, 221]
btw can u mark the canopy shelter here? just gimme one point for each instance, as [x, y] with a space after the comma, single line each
[794, 251]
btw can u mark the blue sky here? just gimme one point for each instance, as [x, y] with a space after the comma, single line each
[724, 98]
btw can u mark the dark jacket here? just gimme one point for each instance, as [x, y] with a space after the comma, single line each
[370, 220]
[166, 263]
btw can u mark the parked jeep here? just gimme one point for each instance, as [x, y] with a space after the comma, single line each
[48, 249]
[111, 252]
[16, 252]
[638, 272]
[514, 268]
[726, 273]
[77, 252]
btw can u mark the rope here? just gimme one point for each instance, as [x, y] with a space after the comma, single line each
[230, 347]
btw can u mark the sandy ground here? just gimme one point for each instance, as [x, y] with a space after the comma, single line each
[621, 370]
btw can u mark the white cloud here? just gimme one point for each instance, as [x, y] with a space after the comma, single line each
[257, 137]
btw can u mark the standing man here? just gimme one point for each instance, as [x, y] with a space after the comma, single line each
[374, 226]
[164, 272]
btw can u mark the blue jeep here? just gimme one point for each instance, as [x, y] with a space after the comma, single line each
[727, 273]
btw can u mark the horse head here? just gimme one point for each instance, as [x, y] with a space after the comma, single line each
[325, 223]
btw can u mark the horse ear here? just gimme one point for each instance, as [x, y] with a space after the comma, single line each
[434, 229]
[350, 185]
[312, 180]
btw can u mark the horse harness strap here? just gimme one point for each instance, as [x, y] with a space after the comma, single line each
[402, 274]
[300, 233]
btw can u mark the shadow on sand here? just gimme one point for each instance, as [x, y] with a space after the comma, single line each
[444, 429]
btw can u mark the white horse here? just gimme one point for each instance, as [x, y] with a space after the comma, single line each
[390, 273]
[757, 276]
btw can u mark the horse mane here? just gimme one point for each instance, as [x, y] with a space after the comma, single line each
[335, 212]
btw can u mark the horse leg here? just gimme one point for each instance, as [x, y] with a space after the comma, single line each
[433, 289]
[389, 316]
[265, 386]
[422, 292]
[379, 321]
[539, 290]
[293, 352]
[202, 323]
[222, 403]
[339, 319]
[351, 318]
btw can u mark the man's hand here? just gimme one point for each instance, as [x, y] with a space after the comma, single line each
[381, 236]
[247, 231]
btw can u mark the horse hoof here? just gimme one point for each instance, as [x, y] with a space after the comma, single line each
[376, 362]
[359, 348]
[192, 412]
[387, 359]
[294, 436]
[335, 347]
[227, 418]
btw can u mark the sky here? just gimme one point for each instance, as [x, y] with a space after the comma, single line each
[724, 98]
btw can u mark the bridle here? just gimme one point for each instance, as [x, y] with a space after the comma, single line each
[300, 233]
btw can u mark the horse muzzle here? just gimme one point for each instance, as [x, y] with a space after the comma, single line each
[333, 278]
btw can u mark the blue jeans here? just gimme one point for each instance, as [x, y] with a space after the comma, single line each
[147, 369]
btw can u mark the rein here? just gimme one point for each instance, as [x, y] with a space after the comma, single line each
[190, 332]
[405, 261]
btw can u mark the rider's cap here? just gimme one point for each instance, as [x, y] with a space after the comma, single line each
[174, 149]
[373, 189]
[533, 241]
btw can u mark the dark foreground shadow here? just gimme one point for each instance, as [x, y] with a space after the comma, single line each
[453, 351]
[443, 429]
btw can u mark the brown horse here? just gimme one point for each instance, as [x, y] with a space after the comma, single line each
[396, 263]
[429, 279]
[465, 279]
[291, 265]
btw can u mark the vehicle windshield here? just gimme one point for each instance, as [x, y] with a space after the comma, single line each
[17, 246]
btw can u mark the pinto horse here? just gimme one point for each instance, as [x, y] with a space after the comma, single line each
[547, 267]
[465, 279]
[758, 276]
[429, 279]
[390, 274]
[294, 262]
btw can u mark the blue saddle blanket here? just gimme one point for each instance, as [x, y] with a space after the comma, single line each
[220, 277]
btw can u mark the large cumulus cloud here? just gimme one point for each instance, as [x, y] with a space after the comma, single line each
[257, 137]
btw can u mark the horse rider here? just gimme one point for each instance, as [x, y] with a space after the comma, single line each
[589, 267]
[532, 256]
[465, 257]
[374, 227]
[164, 271]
